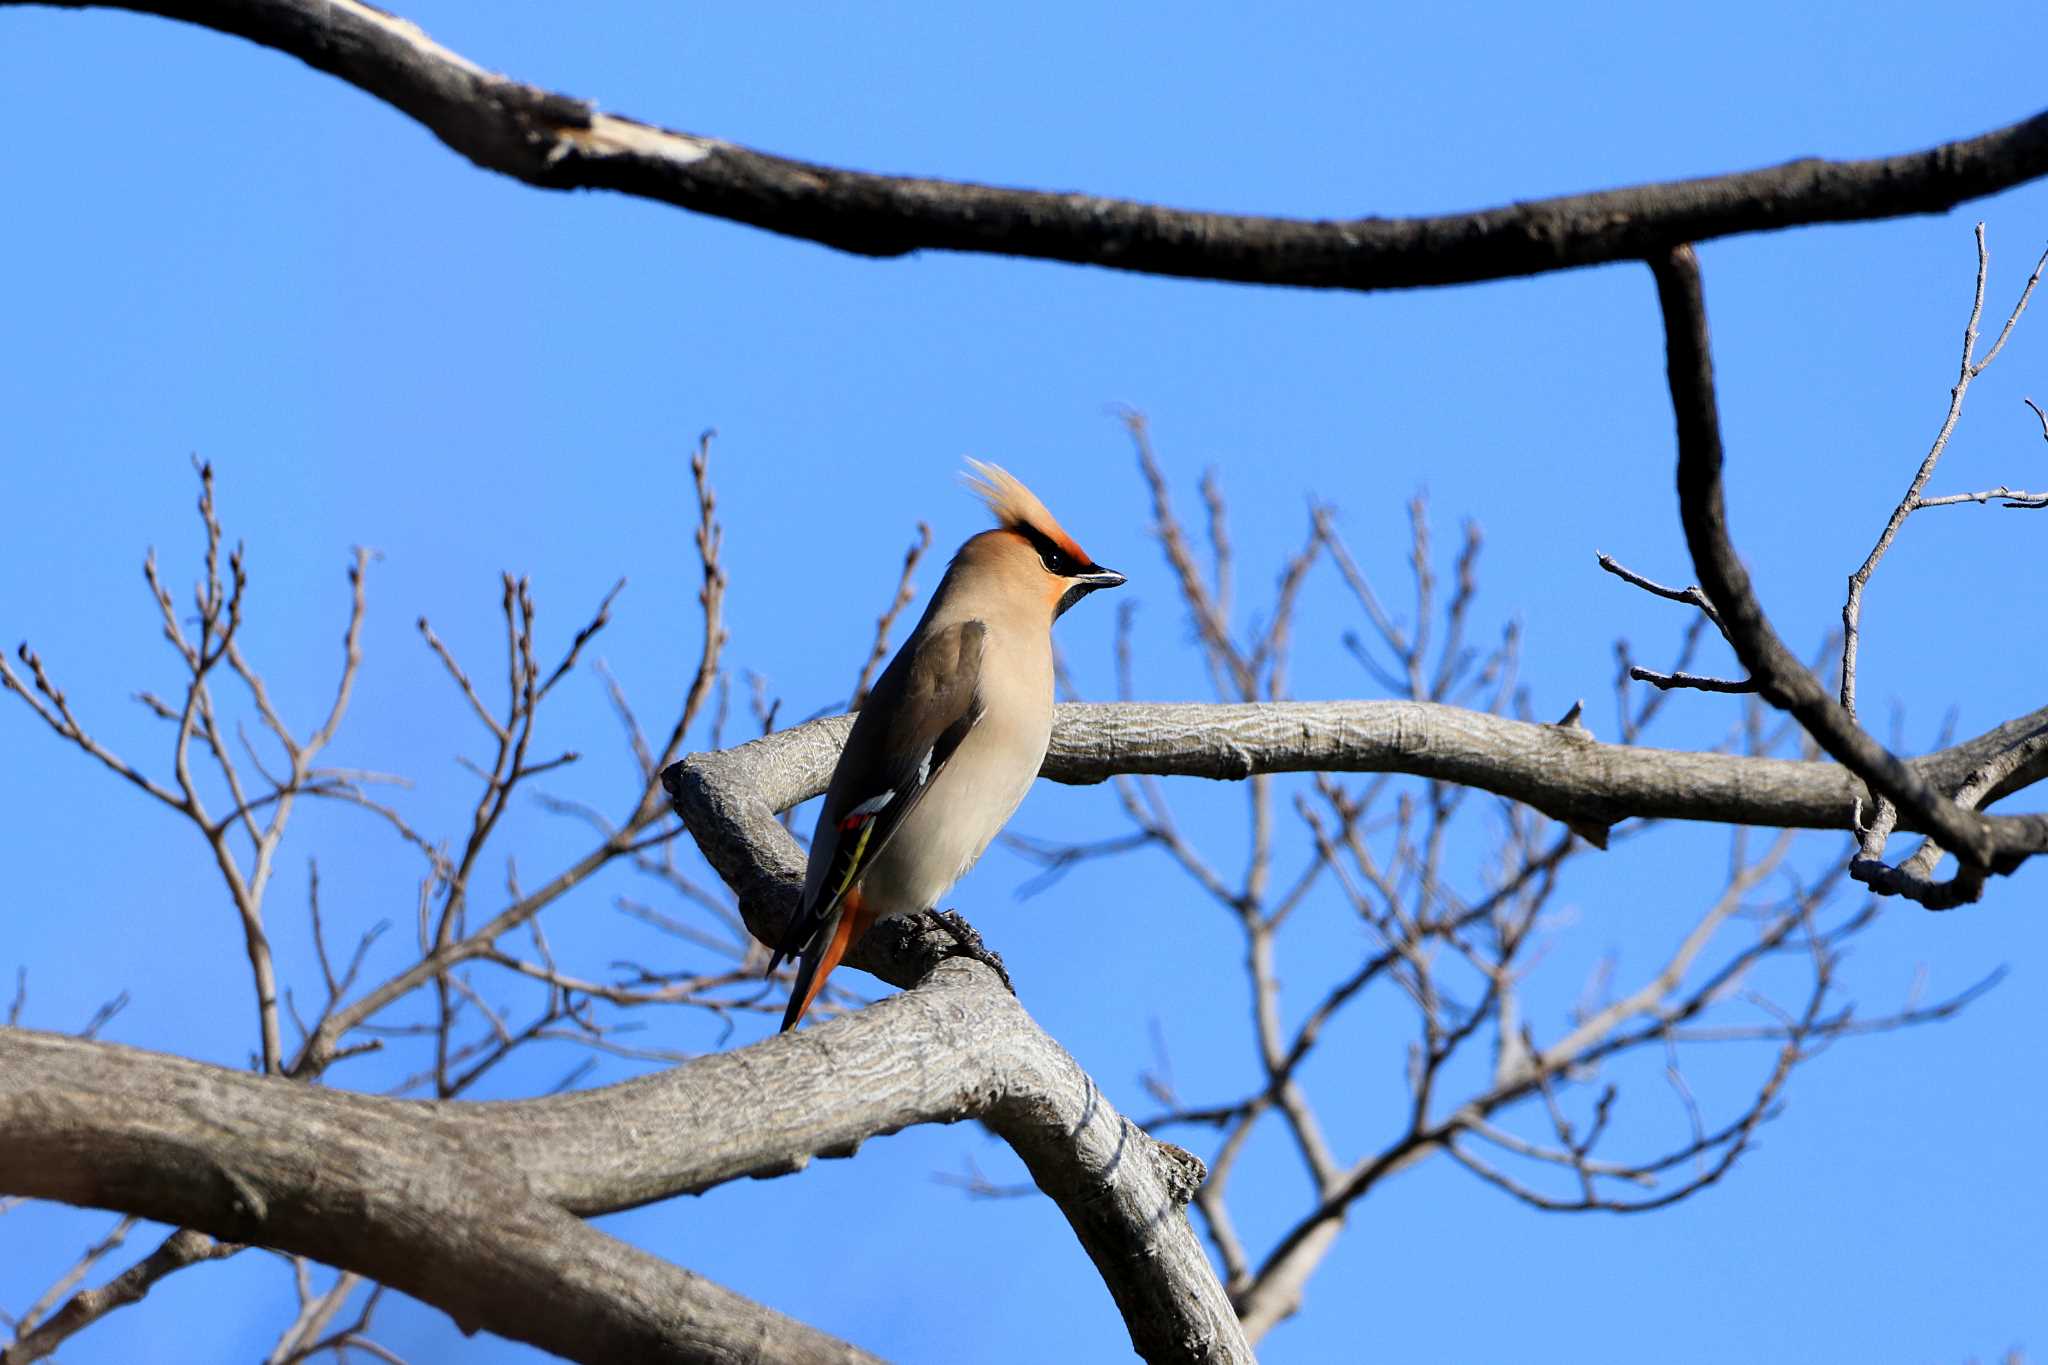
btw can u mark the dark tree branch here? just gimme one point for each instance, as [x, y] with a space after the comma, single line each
[1697, 682]
[1997, 844]
[182, 1248]
[558, 142]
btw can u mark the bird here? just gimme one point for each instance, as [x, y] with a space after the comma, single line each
[949, 739]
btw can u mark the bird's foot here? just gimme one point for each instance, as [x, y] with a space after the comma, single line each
[967, 943]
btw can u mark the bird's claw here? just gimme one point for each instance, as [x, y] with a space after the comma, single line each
[967, 943]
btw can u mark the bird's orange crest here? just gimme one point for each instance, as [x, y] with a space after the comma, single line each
[1017, 507]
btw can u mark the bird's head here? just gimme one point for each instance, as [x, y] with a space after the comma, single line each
[1028, 547]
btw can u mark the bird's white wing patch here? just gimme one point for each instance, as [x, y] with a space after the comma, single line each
[871, 806]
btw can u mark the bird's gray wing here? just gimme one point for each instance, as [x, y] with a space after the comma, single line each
[924, 704]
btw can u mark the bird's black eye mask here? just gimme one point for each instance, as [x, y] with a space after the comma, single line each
[1055, 559]
[1062, 563]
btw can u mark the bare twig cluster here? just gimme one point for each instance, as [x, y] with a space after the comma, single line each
[244, 836]
[1914, 876]
[240, 799]
[1539, 1117]
[1948, 814]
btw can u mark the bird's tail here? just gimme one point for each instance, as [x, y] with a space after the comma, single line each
[850, 919]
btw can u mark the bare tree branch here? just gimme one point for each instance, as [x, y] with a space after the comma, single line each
[558, 142]
[1968, 369]
[452, 942]
[259, 817]
[1555, 769]
[1144, 1249]
[418, 1195]
[182, 1248]
[368, 1185]
[1996, 844]
[905, 590]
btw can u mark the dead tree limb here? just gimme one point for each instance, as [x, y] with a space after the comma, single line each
[559, 142]
[729, 798]
[392, 1190]
[1981, 843]
[477, 1209]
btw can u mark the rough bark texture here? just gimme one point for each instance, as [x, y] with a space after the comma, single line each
[475, 1207]
[729, 798]
[1123, 1192]
[559, 142]
[431, 1199]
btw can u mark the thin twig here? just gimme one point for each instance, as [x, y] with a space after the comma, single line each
[906, 590]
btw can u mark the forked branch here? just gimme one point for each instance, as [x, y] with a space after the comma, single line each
[1993, 844]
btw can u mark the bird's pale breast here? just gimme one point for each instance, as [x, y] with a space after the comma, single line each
[972, 797]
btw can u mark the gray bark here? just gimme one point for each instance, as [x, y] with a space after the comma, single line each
[458, 1203]
[418, 1196]
[476, 1208]
[730, 798]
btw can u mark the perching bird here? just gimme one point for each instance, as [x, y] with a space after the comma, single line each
[949, 739]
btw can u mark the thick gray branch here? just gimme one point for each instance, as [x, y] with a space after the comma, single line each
[729, 798]
[475, 1207]
[1558, 769]
[1123, 1193]
[405, 1193]
[558, 142]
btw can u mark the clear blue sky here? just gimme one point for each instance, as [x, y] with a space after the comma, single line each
[212, 249]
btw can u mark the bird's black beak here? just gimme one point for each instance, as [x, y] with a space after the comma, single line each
[1081, 584]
